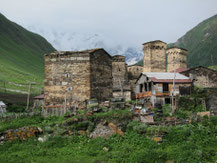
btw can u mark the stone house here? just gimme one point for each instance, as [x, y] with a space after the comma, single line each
[72, 77]
[202, 76]
[157, 87]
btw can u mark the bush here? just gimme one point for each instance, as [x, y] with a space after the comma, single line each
[167, 110]
[16, 108]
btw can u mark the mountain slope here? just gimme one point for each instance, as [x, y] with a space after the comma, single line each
[201, 43]
[21, 54]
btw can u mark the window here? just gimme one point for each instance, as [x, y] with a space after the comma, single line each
[167, 100]
[165, 87]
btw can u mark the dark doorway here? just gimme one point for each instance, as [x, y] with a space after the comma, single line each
[167, 100]
[141, 87]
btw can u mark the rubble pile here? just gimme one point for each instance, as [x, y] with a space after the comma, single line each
[20, 134]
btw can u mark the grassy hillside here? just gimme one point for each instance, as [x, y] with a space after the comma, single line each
[21, 55]
[201, 43]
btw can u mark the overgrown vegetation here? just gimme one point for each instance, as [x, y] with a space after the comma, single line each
[67, 138]
[186, 143]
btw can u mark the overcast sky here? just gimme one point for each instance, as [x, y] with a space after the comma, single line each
[124, 21]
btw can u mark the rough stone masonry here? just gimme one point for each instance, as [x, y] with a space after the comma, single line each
[73, 77]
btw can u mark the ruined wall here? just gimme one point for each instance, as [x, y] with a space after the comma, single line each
[154, 56]
[133, 73]
[176, 58]
[67, 78]
[202, 77]
[101, 75]
[119, 72]
[125, 94]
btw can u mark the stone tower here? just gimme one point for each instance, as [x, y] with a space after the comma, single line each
[71, 78]
[154, 56]
[119, 71]
[176, 58]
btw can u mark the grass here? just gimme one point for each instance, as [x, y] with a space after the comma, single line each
[194, 143]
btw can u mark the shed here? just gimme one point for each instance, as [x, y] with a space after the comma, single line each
[39, 101]
[2, 107]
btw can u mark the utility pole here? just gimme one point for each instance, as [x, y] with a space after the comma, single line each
[28, 97]
[173, 104]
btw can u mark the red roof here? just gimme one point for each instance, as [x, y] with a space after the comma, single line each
[39, 97]
[181, 69]
[170, 80]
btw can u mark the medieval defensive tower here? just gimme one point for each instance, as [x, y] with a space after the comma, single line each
[119, 71]
[154, 56]
[176, 58]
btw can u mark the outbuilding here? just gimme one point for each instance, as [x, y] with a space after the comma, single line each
[2, 107]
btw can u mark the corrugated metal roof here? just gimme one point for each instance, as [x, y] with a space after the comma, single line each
[164, 75]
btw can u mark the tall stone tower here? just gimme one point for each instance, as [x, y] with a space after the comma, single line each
[176, 58]
[154, 56]
[119, 71]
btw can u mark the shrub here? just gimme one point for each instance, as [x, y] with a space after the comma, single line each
[167, 110]
[16, 108]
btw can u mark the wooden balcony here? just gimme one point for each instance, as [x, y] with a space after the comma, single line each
[149, 94]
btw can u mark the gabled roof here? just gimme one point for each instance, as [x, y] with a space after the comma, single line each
[177, 48]
[154, 42]
[90, 51]
[166, 77]
[202, 67]
[39, 97]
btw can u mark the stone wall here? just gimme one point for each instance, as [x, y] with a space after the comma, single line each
[101, 75]
[202, 77]
[133, 73]
[67, 78]
[73, 77]
[176, 58]
[154, 56]
[126, 94]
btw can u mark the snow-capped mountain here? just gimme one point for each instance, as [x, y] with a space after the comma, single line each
[82, 41]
